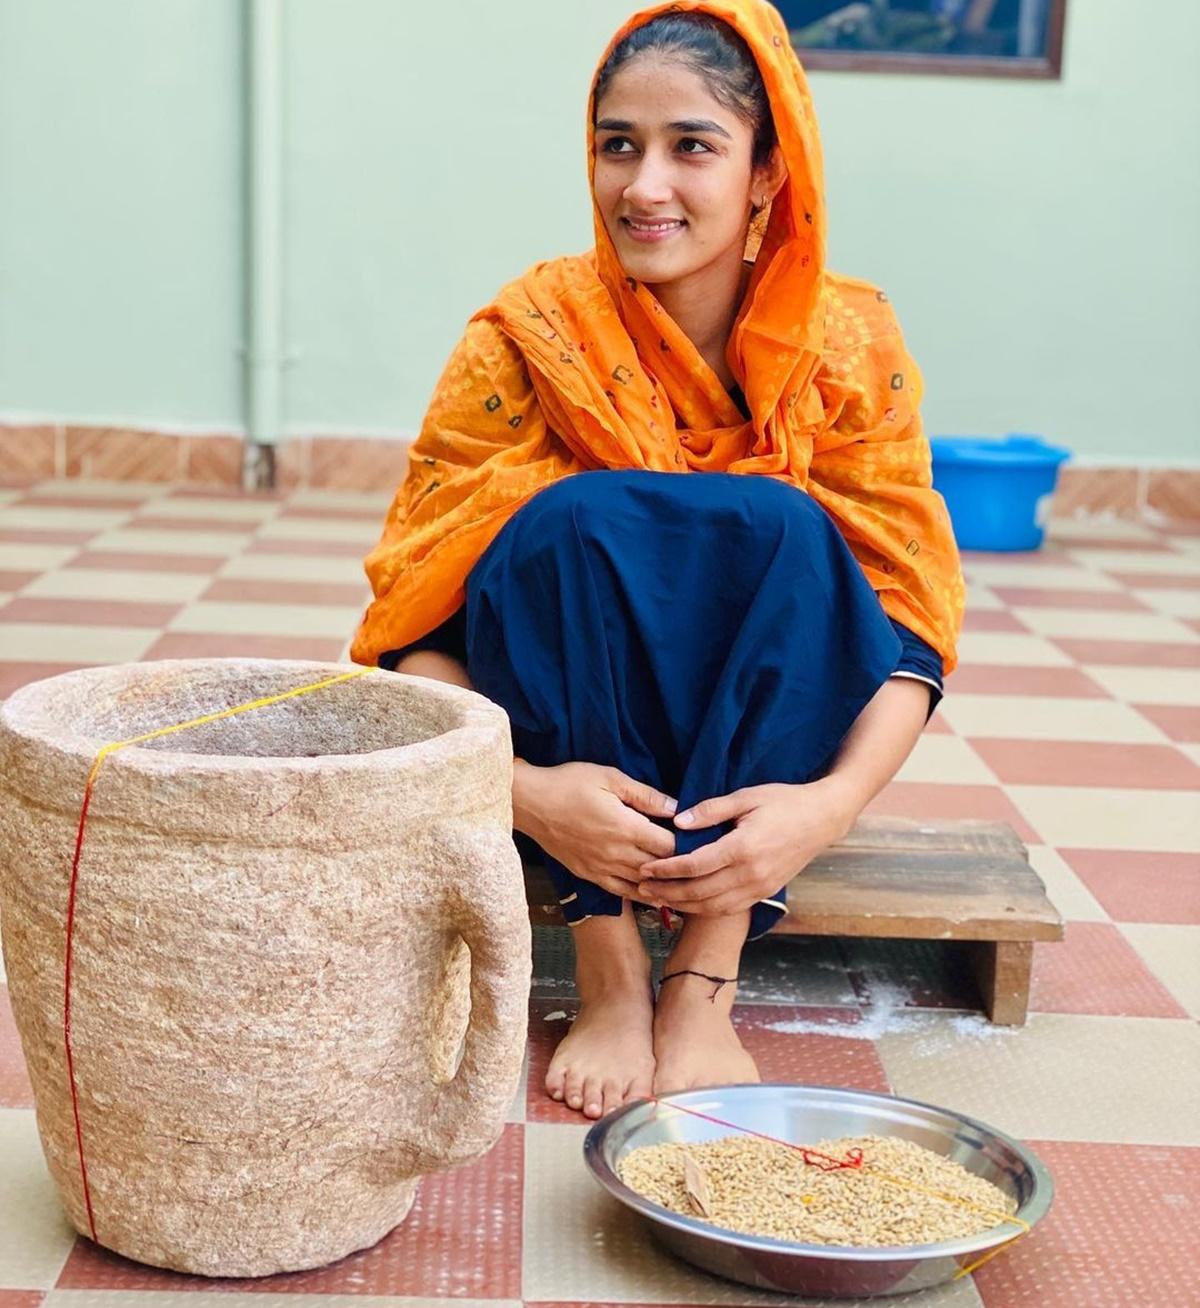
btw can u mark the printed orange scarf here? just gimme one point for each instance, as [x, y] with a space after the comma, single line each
[575, 367]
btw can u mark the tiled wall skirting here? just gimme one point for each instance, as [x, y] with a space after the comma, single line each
[334, 463]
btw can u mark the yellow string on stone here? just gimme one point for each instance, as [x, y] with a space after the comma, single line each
[263, 702]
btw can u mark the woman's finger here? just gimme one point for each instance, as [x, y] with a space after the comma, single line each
[640, 796]
[683, 894]
[700, 862]
[648, 840]
[711, 812]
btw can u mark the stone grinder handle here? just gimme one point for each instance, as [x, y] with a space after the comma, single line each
[468, 1115]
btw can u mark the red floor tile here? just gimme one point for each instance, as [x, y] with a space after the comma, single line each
[22, 1298]
[544, 1038]
[149, 522]
[13, 581]
[938, 726]
[89, 613]
[1140, 887]
[1095, 970]
[462, 1240]
[118, 561]
[1002, 679]
[286, 592]
[992, 620]
[189, 645]
[1158, 580]
[1088, 763]
[1181, 722]
[15, 1090]
[15, 675]
[1121, 1232]
[1134, 653]
[31, 536]
[919, 799]
[805, 1057]
[1035, 597]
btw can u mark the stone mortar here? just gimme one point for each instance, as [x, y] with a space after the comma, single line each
[301, 953]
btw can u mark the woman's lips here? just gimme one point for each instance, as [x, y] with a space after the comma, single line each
[652, 233]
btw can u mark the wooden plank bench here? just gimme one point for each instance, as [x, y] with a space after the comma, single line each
[909, 879]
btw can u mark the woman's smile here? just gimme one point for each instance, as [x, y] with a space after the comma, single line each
[652, 230]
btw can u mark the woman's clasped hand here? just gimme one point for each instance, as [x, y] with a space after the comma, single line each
[596, 821]
[779, 829]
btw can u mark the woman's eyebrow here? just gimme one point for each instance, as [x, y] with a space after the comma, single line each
[683, 125]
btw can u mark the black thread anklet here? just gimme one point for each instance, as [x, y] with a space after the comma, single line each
[719, 981]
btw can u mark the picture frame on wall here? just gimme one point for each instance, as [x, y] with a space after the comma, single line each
[982, 38]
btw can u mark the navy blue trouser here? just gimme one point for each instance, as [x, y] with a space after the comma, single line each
[701, 633]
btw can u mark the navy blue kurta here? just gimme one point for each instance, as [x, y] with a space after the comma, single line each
[700, 632]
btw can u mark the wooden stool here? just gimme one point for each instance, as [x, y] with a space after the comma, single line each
[902, 878]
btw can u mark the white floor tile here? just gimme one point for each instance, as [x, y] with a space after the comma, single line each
[1162, 561]
[1049, 577]
[244, 619]
[1103, 624]
[20, 557]
[101, 584]
[1086, 817]
[1041, 717]
[353, 530]
[1174, 603]
[134, 540]
[1148, 685]
[35, 1237]
[31, 517]
[1067, 892]
[1069, 531]
[945, 759]
[91, 488]
[1125, 1080]
[33, 642]
[287, 567]
[1172, 953]
[1011, 648]
[198, 506]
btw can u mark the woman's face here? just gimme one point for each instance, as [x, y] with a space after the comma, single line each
[673, 176]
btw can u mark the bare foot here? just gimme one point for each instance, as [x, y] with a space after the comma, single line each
[607, 1058]
[695, 1043]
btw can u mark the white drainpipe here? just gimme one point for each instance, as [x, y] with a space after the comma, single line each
[264, 355]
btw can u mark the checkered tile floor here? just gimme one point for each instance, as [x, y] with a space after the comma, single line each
[1075, 716]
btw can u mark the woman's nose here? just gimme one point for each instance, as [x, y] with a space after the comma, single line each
[650, 185]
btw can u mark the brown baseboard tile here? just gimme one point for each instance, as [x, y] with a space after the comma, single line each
[28, 453]
[1081, 491]
[1128, 492]
[41, 451]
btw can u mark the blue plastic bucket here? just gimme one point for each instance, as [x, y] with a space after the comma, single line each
[998, 489]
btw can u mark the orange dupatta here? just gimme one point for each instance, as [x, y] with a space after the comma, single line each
[574, 366]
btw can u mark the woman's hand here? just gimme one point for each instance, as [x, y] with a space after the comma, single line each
[591, 818]
[780, 830]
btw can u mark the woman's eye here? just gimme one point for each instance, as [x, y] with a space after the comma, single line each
[613, 144]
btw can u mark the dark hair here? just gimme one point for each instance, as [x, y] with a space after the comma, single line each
[717, 54]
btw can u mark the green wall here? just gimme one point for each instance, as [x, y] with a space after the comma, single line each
[1038, 238]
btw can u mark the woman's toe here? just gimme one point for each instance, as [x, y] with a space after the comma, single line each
[573, 1090]
[593, 1097]
[613, 1096]
[555, 1080]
